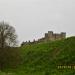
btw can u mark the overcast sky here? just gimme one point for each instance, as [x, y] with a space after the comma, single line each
[33, 18]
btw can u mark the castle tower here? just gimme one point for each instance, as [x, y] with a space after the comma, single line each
[63, 34]
[50, 34]
[46, 35]
[54, 36]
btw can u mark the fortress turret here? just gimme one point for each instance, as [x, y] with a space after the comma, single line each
[50, 34]
[54, 36]
[63, 34]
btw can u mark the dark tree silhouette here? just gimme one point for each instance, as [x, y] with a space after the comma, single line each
[7, 35]
[9, 55]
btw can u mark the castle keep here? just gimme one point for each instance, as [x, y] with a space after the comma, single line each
[53, 36]
[48, 36]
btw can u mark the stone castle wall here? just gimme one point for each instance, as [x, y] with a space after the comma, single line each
[48, 36]
[53, 36]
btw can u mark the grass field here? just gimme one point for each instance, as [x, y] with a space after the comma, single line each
[49, 58]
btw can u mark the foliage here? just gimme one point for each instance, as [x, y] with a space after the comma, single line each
[44, 58]
[7, 35]
[9, 58]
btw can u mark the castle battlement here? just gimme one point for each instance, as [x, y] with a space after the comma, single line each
[53, 36]
[48, 36]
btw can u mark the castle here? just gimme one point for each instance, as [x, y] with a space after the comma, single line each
[50, 36]
[53, 36]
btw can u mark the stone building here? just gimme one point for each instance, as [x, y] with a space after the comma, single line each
[48, 36]
[53, 36]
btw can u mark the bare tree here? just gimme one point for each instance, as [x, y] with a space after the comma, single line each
[7, 35]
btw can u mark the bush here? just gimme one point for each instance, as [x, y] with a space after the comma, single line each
[9, 57]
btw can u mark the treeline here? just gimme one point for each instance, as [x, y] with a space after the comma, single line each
[10, 56]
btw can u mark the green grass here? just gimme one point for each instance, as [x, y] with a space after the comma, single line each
[43, 58]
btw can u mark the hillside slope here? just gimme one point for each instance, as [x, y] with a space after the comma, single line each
[47, 58]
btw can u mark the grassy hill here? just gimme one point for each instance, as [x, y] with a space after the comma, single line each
[46, 58]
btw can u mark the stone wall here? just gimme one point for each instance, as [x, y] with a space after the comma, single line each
[53, 36]
[48, 36]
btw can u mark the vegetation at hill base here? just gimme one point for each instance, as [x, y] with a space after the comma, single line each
[45, 58]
